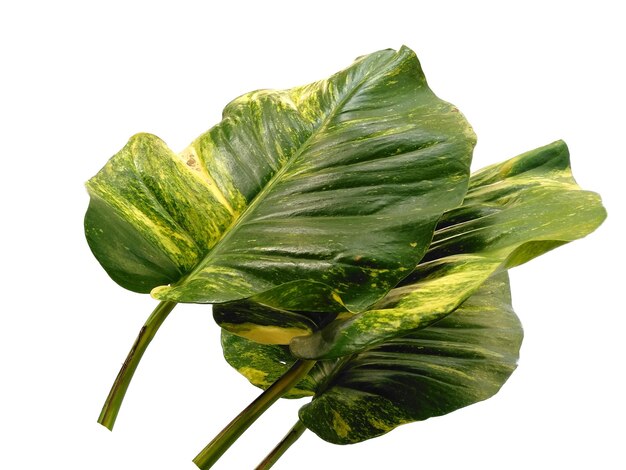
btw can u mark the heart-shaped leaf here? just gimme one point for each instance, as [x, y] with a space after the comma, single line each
[513, 212]
[462, 359]
[327, 193]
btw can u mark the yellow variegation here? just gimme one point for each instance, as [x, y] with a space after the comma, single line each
[263, 364]
[325, 195]
[460, 360]
[513, 212]
[153, 214]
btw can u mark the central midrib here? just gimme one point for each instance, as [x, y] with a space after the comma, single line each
[232, 228]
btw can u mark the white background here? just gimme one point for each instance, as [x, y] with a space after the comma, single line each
[77, 79]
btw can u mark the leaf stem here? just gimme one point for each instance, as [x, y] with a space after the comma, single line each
[114, 401]
[220, 444]
[277, 452]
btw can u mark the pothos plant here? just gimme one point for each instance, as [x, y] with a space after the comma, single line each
[348, 254]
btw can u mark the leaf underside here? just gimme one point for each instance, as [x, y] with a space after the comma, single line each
[323, 196]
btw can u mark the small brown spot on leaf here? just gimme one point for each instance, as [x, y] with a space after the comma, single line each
[191, 161]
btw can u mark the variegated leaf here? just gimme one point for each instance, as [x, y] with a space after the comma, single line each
[263, 364]
[513, 212]
[332, 189]
[462, 359]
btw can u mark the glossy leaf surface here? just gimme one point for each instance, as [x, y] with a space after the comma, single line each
[327, 193]
[462, 359]
[513, 212]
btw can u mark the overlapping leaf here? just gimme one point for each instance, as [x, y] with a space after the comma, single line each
[325, 195]
[462, 359]
[513, 212]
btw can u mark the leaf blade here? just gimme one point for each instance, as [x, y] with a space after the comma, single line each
[463, 358]
[513, 212]
[314, 190]
[460, 360]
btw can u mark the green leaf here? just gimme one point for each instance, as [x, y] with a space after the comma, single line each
[325, 195]
[263, 364]
[513, 212]
[462, 359]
